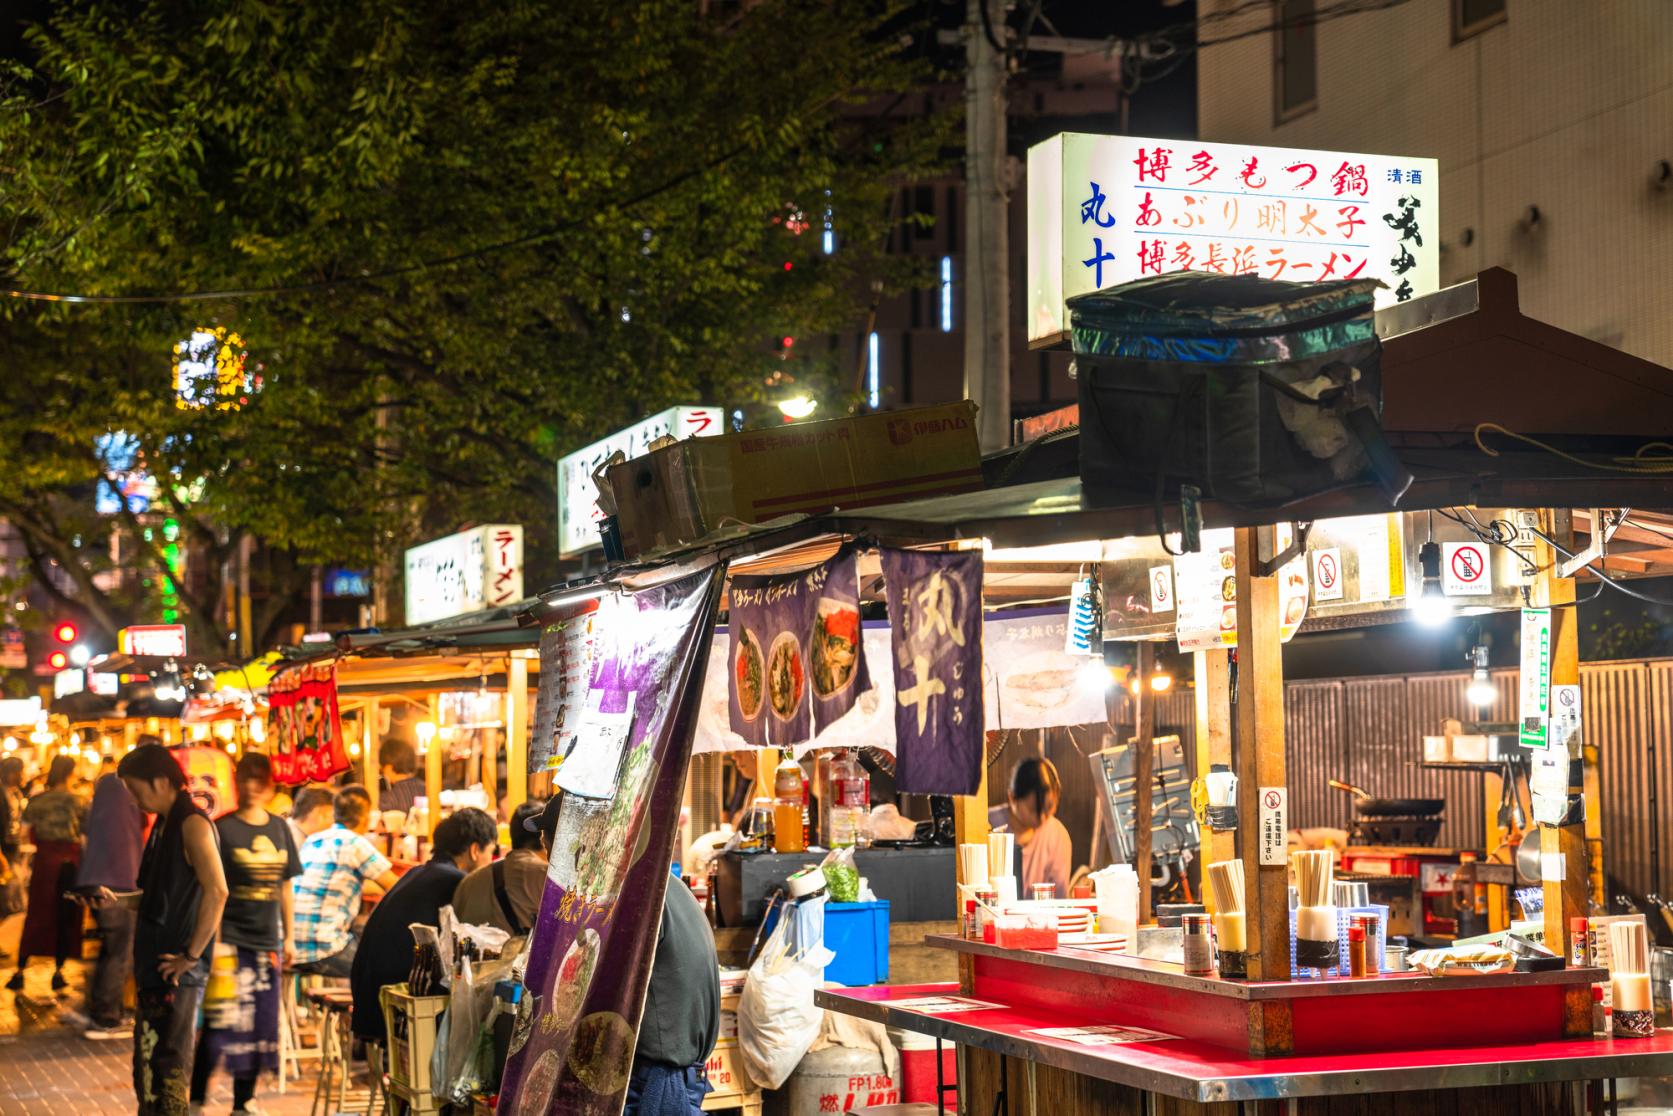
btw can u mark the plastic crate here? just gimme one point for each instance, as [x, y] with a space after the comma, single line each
[858, 933]
[1377, 957]
[411, 1022]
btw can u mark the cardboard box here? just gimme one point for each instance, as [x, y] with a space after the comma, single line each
[703, 486]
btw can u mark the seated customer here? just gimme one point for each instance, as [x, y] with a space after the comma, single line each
[310, 812]
[402, 785]
[463, 842]
[507, 892]
[337, 863]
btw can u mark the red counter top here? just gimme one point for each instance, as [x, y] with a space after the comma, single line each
[1200, 1071]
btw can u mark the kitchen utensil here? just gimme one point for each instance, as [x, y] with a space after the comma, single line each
[1389, 807]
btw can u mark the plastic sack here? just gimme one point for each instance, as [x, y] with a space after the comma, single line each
[842, 879]
[777, 1018]
[488, 939]
[472, 995]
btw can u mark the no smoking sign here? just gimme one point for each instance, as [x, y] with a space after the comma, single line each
[1327, 574]
[1465, 571]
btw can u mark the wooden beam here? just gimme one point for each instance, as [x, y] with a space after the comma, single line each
[970, 823]
[370, 715]
[1260, 753]
[1212, 670]
[516, 733]
[1566, 847]
[432, 770]
[1144, 762]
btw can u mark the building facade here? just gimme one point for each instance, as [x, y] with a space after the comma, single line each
[1552, 122]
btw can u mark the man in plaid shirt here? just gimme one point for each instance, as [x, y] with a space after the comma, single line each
[337, 863]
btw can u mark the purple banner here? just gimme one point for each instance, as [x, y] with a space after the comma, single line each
[796, 663]
[593, 942]
[935, 609]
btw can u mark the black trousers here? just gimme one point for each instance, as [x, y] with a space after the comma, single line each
[165, 1035]
[116, 961]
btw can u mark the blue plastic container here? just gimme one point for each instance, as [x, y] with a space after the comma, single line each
[858, 933]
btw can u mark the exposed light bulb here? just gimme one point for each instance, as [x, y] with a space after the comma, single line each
[1432, 607]
[1481, 691]
[798, 406]
[1093, 675]
[1161, 683]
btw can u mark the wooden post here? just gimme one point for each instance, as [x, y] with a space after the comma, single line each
[432, 771]
[370, 714]
[970, 823]
[1260, 754]
[1498, 898]
[516, 732]
[1563, 849]
[1144, 756]
[1212, 670]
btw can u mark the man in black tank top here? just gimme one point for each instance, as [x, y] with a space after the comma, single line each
[182, 890]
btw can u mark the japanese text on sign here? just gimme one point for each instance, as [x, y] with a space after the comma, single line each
[1534, 708]
[1274, 825]
[1104, 210]
[467, 572]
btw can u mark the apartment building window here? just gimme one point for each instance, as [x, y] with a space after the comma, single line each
[1296, 67]
[1472, 17]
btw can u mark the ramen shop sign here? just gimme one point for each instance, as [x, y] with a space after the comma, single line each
[1106, 210]
[467, 572]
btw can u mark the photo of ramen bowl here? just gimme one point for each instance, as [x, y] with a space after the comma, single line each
[749, 672]
[786, 677]
[834, 649]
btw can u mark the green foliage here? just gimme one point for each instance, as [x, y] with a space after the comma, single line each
[612, 190]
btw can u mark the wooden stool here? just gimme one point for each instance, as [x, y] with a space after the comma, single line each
[291, 1050]
[335, 1047]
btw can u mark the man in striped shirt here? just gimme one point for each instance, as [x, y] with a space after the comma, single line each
[337, 863]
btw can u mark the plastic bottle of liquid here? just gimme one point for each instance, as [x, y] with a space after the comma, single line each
[1118, 902]
[850, 801]
[789, 832]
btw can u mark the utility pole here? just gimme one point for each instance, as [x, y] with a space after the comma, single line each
[987, 255]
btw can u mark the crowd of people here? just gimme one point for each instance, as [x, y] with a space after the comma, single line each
[206, 916]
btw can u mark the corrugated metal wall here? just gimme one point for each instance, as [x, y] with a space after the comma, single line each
[1369, 731]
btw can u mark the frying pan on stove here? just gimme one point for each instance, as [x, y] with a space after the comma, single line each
[1371, 807]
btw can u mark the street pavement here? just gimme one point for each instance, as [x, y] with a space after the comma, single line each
[48, 1069]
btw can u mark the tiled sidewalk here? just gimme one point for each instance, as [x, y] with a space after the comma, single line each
[48, 1069]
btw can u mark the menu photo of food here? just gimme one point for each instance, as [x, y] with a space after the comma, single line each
[834, 648]
[750, 670]
[786, 677]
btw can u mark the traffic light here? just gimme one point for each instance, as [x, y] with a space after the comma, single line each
[65, 631]
[58, 660]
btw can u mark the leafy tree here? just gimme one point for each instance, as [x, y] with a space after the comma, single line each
[458, 240]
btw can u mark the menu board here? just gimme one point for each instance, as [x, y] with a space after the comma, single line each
[1205, 591]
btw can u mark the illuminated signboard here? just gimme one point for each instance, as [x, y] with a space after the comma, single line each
[167, 641]
[16, 712]
[1106, 210]
[467, 572]
[578, 513]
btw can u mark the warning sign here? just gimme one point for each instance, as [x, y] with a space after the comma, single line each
[1464, 570]
[1327, 574]
[1161, 589]
[1274, 825]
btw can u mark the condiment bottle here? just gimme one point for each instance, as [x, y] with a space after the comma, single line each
[1198, 945]
[789, 832]
[1356, 949]
[1579, 952]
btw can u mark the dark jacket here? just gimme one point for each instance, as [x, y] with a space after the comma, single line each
[386, 948]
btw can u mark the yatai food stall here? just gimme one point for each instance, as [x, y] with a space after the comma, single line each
[1094, 1024]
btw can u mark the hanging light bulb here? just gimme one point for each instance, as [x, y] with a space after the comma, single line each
[1432, 608]
[1481, 691]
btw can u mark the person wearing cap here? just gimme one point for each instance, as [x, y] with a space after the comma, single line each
[507, 892]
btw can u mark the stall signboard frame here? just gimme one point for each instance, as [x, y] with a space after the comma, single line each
[578, 511]
[1105, 210]
[463, 573]
[165, 641]
[1172, 769]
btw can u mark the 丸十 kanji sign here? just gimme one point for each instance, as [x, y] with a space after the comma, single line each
[1105, 210]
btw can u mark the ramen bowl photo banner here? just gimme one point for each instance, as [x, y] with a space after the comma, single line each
[591, 948]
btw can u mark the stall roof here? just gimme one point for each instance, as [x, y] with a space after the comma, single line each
[1463, 351]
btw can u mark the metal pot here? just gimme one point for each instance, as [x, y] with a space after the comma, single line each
[1527, 857]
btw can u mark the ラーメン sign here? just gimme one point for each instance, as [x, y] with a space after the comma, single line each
[1105, 210]
[578, 514]
[167, 641]
[467, 572]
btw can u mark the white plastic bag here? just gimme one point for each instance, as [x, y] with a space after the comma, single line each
[471, 996]
[777, 1018]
